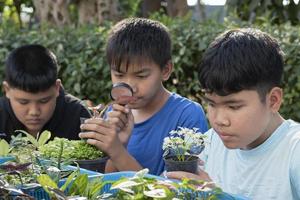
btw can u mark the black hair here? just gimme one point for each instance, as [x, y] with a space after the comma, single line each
[136, 40]
[31, 68]
[241, 59]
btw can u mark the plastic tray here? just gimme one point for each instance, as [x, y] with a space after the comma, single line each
[39, 193]
[5, 159]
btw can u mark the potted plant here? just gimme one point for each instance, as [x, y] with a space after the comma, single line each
[75, 151]
[181, 149]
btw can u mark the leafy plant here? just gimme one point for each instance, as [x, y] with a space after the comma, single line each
[75, 184]
[72, 150]
[40, 140]
[26, 164]
[141, 186]
[182, 142]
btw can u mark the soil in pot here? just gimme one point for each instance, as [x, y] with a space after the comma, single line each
[189, 165]
[97, 165]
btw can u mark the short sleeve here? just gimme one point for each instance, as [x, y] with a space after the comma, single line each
[193, 116]
[295, 168]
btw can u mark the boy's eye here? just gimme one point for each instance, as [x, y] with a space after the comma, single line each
[235, 107]
[118, 75]
[23, 102]
[142, 76]
[210, 104]
[43, 101]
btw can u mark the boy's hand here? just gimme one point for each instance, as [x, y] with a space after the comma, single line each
[112, 134]
[102, 134]
[201, 175]
[122, 117]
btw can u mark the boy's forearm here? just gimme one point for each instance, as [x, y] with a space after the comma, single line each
[109, 167]
[122, 162]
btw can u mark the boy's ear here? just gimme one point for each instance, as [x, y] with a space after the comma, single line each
[6, 88]
[57, 86]
[275, 98]
[167, 70]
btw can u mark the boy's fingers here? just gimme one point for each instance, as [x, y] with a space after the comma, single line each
[201, 162]
[117, 117]
[96, 121]
[121, 108]
[180, 175]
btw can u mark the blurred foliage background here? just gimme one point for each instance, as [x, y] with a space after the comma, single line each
[76, 31]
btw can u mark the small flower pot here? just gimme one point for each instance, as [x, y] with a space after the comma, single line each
[97, 165]
[190, 163]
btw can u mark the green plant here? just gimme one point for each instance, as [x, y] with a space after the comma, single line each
[75, 184]
[26, 164]
[141, 186]
[39, 141]
[72, 150]
[183, 142]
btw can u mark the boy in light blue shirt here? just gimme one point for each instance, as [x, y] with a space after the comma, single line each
[251, 150]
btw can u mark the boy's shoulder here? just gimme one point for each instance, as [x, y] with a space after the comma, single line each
[69, 99]
[4, 106]
[183, 105]
[70, 103]
[178, 99]
[293, 131]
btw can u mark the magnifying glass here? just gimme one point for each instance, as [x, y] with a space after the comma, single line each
[122, 93]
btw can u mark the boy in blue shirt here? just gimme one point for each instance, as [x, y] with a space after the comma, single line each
[139, 54]
[251, 150]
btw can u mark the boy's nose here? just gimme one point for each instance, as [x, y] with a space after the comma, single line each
[221, 119]
[133, 85]
[34, 110]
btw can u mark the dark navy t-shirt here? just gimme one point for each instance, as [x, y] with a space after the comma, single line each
[145, 143]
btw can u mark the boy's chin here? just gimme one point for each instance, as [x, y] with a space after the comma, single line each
[231, 145]
[33, 130]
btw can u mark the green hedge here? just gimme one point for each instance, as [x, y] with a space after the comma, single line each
[85, 73]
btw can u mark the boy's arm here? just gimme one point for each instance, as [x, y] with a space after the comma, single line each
[123, 162]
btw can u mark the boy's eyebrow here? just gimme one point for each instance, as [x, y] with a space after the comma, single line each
[142, 70]
[204, 98]
[43, 98]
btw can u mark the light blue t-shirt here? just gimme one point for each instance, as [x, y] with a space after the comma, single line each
[269, 171]
[145, 143]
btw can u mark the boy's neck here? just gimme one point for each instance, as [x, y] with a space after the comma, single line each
[276, 121]
[150, 109]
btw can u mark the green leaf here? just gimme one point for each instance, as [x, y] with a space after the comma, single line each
[94, 188]
[46, 182]
[79, 185]
[69, 180]
[31, 139]
[4, 148]
[44, 137]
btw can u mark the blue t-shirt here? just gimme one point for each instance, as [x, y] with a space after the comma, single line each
[145, 143]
